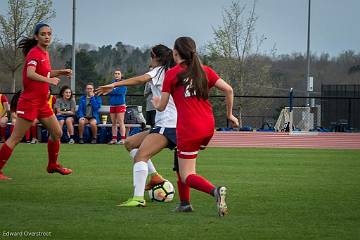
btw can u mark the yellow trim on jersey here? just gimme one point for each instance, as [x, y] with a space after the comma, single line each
[2, 107]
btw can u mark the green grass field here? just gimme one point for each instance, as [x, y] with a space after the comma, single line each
[273, 194]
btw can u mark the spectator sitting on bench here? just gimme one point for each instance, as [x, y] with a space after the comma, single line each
[4, 110]
[65, 111]
[88, 112]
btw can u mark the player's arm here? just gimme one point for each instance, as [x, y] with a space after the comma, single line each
[160, 103]
[229, 99]
[30, 72]
[128, 82]
[61, 72]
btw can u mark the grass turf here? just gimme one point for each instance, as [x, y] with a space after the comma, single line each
[273, 194]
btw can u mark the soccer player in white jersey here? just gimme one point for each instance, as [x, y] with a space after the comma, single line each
[143, 146]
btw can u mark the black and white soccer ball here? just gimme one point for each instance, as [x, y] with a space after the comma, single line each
[163, 192]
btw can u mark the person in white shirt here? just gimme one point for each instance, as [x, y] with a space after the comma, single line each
[144, 145]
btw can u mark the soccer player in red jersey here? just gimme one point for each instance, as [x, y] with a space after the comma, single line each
[189, 83]
[33, 101]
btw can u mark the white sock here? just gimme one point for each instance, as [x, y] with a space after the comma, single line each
[133, 152]
[151, 167]
[140, 172]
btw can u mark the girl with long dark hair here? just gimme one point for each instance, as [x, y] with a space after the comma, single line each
[189, 83]
[33, 102]
[143, 146]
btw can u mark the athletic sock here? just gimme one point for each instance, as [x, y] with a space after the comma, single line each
[140, 172]
[199, 183]
[184, 191]
[3, 132]
[123, 137]
[151, 167]
[114, 138]
[33, 132]
[53, 151]
[5, 153]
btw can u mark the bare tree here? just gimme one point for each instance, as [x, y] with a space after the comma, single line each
[235, 53]
[21, 17]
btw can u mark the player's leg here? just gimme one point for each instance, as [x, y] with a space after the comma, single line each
[52, 125]
[134, 141]
[20, 128]
[183, 189]
[120, 118]
[151, 145]
[113, 128]
[187, 170]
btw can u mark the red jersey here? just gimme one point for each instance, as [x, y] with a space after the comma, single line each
[195, 117]
[36, 92]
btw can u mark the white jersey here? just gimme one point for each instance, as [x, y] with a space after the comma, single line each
[168, 117]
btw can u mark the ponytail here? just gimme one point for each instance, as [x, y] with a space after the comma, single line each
[27, 44]
[193, 78]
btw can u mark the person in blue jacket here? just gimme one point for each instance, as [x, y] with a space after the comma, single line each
[88, 112]
[117, 110]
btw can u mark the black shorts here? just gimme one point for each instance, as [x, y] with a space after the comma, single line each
[169, 133]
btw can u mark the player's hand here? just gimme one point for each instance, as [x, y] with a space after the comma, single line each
[54, 81]
[234, 121]
[156, 101]
[103, 90]
[67, 72]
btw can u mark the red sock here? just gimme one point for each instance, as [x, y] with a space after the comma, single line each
[53, 151]
[3, 132]
[27, 135]
[5, 153]
[33, 132]
[123, 137]
[199, 183]
[114, 137]
[184, 190]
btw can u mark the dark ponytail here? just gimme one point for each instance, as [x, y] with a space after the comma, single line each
[27, 44]
[193, 77]
[164, 56]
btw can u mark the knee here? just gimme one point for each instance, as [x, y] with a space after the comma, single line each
[129, 145]
[81, 123]
[57, 133]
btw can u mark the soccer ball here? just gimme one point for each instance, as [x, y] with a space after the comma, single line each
[163, 192]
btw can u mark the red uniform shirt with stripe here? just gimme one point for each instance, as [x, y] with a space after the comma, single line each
[33, 101]
[195, 121]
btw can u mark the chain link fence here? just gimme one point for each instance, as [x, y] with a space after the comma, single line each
[339, 114]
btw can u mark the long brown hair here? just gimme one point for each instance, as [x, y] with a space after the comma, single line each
[26, 44]
[193, 77]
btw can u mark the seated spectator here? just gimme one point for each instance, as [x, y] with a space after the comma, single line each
[88, 112]
[13, 107]
[65, 111]
[4, 109]
[150, 109]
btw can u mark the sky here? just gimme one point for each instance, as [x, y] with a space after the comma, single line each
[143, 23]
